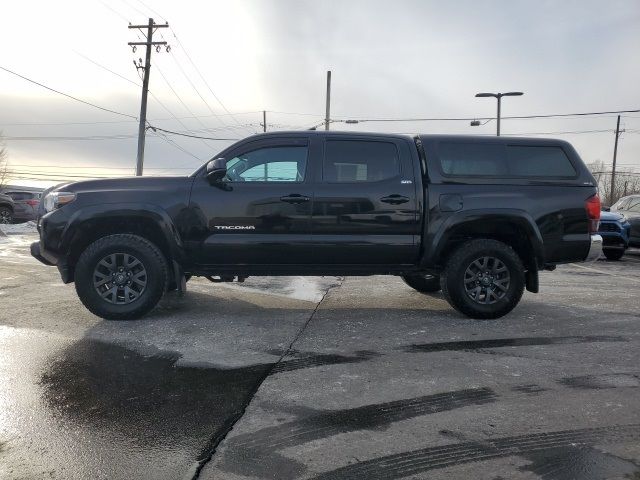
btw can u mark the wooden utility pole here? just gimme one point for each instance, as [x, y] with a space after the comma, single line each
[613, 170]
[264, 120]
[145, 83]
[327, 118]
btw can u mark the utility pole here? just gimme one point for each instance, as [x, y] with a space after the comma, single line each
[151, 27]
[327, 118]
[615, 155]
[264, 120]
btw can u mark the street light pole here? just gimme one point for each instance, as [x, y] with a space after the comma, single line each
[498, 97]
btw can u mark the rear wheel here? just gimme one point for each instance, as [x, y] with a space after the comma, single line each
[423, 283]
[121, 277]
[612, 254]
[483, 279]
[6, 215]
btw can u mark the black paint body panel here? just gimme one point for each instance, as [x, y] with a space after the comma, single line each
[342, 228]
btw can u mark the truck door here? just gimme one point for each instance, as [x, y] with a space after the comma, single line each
[365, 208]
[260, 213]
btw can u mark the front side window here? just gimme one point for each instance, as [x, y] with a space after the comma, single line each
[347, 161]
[269, 164]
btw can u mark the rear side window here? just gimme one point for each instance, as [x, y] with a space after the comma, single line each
[534, 161]
[473, 159]
[360, 161]
[506, 161]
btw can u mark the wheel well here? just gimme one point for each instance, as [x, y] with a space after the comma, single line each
[506, 231]
[93, 230]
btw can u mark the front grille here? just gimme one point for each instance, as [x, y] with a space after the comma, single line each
[609, 227]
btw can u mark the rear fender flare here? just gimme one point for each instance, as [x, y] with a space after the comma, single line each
[521, 219]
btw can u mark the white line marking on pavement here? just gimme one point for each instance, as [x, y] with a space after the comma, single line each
[606, 273]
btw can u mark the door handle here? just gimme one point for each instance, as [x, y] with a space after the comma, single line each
[395, 199]
[294, 198]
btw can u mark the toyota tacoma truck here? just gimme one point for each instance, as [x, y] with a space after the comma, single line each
[475, 217]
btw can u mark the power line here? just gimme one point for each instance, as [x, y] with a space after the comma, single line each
[67, 95]
[184, 50]
[114, 11]
[513, 117]
[151, 10]
[107, 69]
[85, 167]
[190, 136]
[71, 138]
[175, 59]
[182, 102]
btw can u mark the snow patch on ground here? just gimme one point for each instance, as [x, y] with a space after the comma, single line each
[19, 228]
[303, 288]
[15, 247]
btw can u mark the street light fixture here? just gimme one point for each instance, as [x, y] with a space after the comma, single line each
[499, 96]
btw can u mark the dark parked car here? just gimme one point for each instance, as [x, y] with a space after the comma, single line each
[614, 229]
[477, 217]
[629, 206]
[6, 209]
[25, 204]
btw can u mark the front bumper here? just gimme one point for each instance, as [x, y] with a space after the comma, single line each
[43, 255]
[595, 249]
[51, 259]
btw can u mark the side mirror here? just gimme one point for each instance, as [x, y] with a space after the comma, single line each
[606, 209]
[216, 170]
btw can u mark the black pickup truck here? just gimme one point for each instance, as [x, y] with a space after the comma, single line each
[475, 217]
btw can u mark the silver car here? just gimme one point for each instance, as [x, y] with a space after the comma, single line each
[25, 204]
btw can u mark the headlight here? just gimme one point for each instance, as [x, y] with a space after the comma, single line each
[56, 200]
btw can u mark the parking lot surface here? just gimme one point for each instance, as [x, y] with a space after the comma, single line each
[320, 378]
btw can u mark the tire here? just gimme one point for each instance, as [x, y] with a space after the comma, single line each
[6, 215]
[101, 277]
[493, 295]
[613, 254]
[423, 283]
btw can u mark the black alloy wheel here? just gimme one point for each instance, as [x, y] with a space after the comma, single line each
[120, 278]
[487, 280]
[483, 278]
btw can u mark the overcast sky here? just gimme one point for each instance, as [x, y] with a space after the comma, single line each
[395, 59]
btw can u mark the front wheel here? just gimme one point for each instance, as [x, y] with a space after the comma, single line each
[423, 283]
[483, 279]
[121, 277]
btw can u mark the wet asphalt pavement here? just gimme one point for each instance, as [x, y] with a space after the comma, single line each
[320, 378]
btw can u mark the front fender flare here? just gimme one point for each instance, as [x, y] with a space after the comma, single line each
[90, 216]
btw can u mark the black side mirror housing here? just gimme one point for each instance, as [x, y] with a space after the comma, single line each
[216, 170]
[606, 209]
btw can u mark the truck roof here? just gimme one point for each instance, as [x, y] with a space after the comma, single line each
[425, 137]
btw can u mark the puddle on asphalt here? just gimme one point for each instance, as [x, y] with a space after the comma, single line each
[149, 400]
